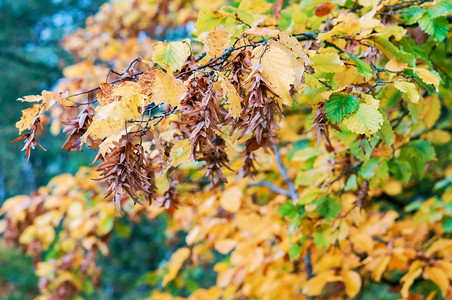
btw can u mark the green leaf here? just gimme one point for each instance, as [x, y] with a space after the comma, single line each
[400, 169]
[322, 237]
[386, 133]
[340, 105]
[412, 14]
[329, 207]
[287, 210]
[294, 252]
[207, 20]
[366, 171]
[362, 67]
[441, 8]
[417, 153]
[446, 222]
[436, 27]
[123, 230]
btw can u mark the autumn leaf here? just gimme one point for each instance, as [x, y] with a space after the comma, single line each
[394, 65]
[366, 120]
[231, 199]
[31, 98]
[277, 68]
[408, 88]
[217, 40]
[327, 62]
[110, 119]
[28, 117]
[162, 87]
[175, 263]
[232, 96]
[171, 56]
[255, 6]
[324, 9]
[428, 77]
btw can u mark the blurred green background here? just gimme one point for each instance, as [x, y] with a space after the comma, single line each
[31, 60]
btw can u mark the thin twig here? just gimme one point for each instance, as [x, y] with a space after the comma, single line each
[292, 191]
[272, 187]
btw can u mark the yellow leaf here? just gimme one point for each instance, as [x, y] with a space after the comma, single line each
[327, 62]
[277, 68]
[394, 65]
[31, 98]
[371, 101]
[255, 6]
[381, 267]
[263, 31]
[110, 119]
[352, 282]
[349, 76]
[428, 77]
[366, 120]
[292, 43]
[162, 87]
[171, 56]
[233, 97]
[109, 142]
[408, 88]
[231, 199]
[225, 246]
[447, 268]
[314, 286]
[363, 242]
[432, 111]
[217, 40]
[408, 280]
[49, 98]
[180, 153]
[175, 263]
[28, 117]
[439, 277]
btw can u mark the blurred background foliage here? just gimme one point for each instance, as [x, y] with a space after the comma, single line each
[32, 60]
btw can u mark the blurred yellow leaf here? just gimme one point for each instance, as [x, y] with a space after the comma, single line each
[408, 88]
[314, 286]
[428, 77]
[439, 277]
[225, 246]
[394, 65]
[352, 282]
[175, 263]
[231, 199]
[409, 278]
[255, 6]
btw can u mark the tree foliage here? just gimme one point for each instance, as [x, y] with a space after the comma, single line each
[305, 142]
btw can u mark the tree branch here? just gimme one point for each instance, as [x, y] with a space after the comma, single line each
[272, 187]
[292, 191]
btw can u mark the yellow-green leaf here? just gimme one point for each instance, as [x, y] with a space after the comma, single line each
[171, 56]
[327, 62]
[366, 120]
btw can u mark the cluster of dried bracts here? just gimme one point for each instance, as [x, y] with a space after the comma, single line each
[227, 94]
[232, 96]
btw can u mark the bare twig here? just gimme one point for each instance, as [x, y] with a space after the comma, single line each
[292, 191]
[272, 187]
